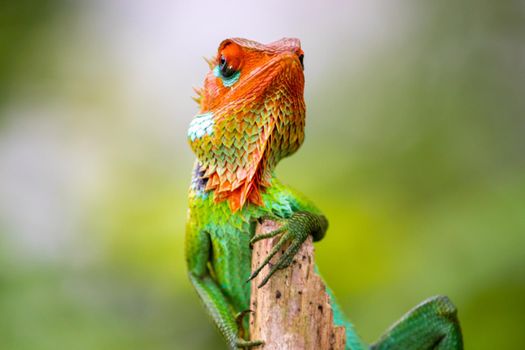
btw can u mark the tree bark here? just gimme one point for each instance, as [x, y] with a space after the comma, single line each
[292, 311]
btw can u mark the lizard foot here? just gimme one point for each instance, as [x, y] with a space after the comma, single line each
[239, 320]
[295, 230]
[247, 344]
[241, 342]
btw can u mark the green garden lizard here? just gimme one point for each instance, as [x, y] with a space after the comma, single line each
[252, 114]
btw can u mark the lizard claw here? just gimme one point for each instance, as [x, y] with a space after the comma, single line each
[275, 249]
[261, 236]
[247, 344]
[239, 318]
[296, 230]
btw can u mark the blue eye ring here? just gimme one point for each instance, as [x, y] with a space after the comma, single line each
[226, 73]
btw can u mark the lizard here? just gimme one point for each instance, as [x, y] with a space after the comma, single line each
[252, 115]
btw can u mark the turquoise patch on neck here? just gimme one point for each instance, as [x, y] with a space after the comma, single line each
[201, 125]
[228, 82]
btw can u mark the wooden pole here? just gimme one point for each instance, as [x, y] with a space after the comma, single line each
[292, 311]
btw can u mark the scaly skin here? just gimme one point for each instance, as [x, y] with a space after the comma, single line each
[252, 115]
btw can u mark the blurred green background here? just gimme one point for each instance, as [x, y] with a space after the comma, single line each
[415, 150]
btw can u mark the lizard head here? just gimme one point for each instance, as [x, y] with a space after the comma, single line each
[246, 70]
[251, 116]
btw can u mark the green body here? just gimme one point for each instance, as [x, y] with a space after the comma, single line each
[218, 247]
[219, 259]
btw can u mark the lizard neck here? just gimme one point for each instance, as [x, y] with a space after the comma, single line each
[200, 184]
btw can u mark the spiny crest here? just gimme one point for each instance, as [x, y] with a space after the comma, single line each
[210, 61]
[197, 98]
[248, 124]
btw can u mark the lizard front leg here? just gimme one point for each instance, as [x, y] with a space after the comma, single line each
[294, 230]
[198, 247]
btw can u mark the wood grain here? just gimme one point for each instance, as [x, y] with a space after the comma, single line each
[292, 311]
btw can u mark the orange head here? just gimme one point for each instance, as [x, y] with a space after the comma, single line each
[243, 68]
[252, 115]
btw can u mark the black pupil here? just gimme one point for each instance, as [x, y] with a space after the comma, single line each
[226, 70]
[301, 59]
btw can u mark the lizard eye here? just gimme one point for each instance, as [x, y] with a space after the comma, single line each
[226, 69]
[301, 59]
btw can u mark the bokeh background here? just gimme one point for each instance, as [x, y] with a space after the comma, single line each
[415, 150]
